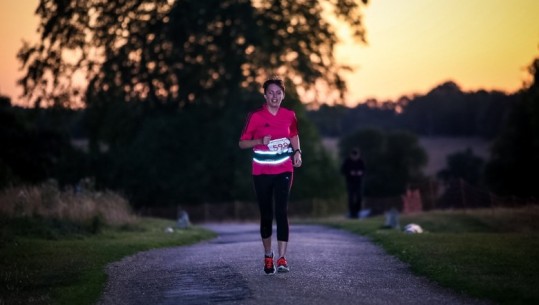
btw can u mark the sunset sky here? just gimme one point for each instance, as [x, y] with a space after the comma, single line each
[413, 45]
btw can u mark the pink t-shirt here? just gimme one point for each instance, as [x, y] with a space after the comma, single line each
[262, 123]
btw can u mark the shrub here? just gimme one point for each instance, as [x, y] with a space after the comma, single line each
[48, 202]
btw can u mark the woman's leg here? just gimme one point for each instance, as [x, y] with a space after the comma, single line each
[283, 183]
[264, 194]
[282, 247]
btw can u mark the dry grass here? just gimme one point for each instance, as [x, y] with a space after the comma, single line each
[47, 201]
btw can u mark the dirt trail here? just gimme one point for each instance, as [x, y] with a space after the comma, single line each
[328, 266]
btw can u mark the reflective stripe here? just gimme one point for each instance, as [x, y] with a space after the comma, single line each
[266, 152]
[271, 157]
[278, 161]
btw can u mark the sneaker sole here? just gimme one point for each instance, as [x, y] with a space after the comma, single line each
[270, 273]
[283, 269]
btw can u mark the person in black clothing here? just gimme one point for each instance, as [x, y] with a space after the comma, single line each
[353, 169]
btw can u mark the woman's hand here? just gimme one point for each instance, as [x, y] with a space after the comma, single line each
[297, 159]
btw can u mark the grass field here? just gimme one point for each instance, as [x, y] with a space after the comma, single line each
[58, 262]
[489, 254]
[54, 246]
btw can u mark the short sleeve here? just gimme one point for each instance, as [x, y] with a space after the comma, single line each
[248, 129]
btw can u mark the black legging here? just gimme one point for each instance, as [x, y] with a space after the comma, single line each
[267, 187]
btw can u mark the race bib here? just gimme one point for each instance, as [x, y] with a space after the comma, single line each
[281, 145]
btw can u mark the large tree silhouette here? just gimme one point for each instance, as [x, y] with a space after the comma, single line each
[515, 154]
[167, 85]
[174, 53]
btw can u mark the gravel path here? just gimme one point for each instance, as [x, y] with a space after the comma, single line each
[327, 266]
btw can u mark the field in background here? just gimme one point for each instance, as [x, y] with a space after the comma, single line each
[489, 253]
[437, 148]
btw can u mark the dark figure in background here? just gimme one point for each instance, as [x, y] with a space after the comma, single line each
[353, 169]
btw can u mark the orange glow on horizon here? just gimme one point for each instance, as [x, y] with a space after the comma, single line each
[417, 44]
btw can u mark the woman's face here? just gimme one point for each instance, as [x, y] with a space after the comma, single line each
[274, 95]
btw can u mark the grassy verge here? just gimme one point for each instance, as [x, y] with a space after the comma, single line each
[489, 254]
[58, 262]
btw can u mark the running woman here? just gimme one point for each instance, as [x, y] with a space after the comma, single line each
[272, 133]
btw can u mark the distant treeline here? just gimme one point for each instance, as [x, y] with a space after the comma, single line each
[445, 111]
[166, 157]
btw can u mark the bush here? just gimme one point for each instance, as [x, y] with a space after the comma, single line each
[46, 201]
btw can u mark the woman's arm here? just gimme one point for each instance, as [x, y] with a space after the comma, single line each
[252, 143]
[294, 141]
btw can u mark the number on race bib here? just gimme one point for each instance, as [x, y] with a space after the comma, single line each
[279, 145]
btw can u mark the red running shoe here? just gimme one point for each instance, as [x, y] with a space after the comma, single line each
[269, 267]
[282, 265]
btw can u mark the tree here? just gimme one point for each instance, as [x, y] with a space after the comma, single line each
[169, 84]
[34, 153]
[463, 165]
[173, 53]
[515, 153]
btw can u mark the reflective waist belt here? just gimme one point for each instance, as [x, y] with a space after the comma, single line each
[271, 157]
